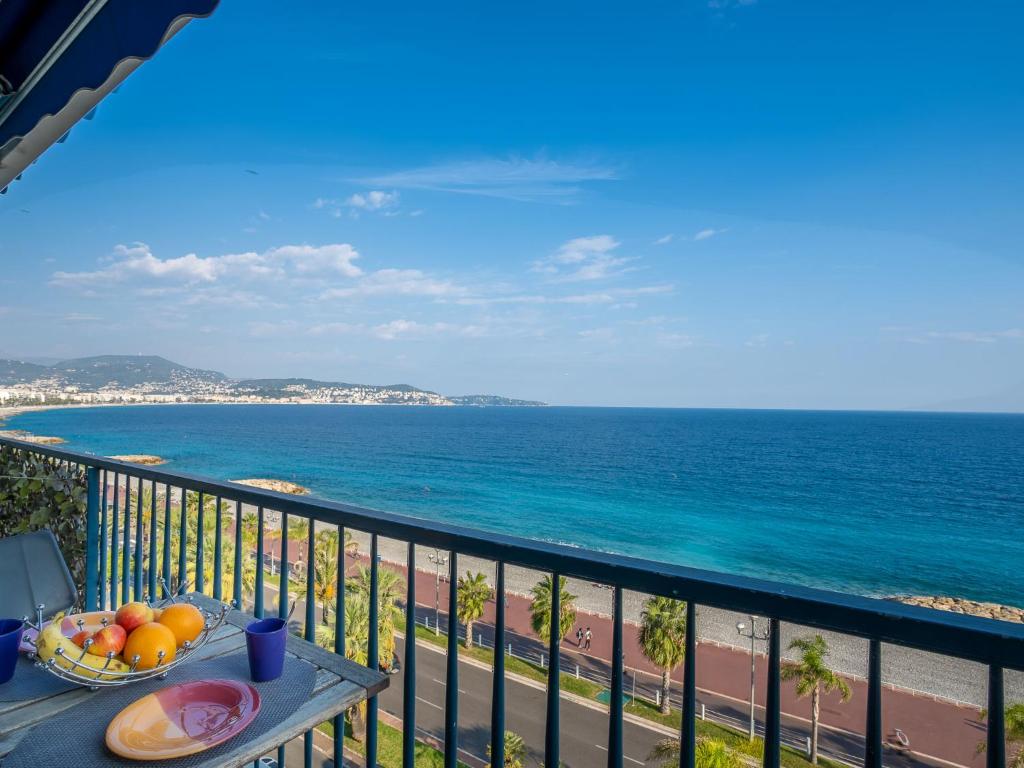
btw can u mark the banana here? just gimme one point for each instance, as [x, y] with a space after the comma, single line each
[51, 639]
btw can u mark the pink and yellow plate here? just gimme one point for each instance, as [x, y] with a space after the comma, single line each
[182, 719]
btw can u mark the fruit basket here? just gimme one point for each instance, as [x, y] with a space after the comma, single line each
[138, 642]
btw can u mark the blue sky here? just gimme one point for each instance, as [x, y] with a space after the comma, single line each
[726, 203]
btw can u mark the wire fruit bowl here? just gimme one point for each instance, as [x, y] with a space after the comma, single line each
[74, 669]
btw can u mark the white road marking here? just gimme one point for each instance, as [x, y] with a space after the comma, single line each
[603, 748]
[442, 682]
[429, 703]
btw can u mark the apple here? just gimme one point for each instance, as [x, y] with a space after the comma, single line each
[109, 639]
[79, 638]
[132, 615]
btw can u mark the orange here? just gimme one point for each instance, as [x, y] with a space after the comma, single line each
[184, 620]
[147, 642]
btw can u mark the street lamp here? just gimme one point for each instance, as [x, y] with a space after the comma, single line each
[438, 560]
[754, 636]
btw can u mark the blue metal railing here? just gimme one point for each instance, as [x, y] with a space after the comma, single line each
[998, 645]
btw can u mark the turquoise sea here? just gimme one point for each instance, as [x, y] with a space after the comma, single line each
[873, 503]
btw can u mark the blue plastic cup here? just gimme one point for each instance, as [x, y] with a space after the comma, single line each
[11, 631]
[265, 640]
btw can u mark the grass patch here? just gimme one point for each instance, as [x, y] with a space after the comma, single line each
[389, 747]
[739, 741]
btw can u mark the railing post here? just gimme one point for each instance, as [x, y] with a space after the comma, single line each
[153, 540]
[551, 727]
[498, 679]
[182, 541]
[283, 580]
[139, 533]
[339, 643]
[201, 544]
[451, 683]
[373, 654]
[688, 734]
[258, 597]
[126, 562]
[615, 744]
[310, 628]
[772, 712]
[92, 539]
[873, 731]
[409, 678]
[237, 585]
[114, 527]
[102, 574]
[995, 747]
[218, 560]
[166, 570]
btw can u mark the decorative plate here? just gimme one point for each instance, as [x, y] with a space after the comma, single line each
[182, 719]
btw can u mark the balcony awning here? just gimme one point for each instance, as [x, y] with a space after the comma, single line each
[59, 58]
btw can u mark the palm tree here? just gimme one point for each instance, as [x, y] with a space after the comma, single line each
[710, 753]
[662, 639]
[515, 750]
[325, 568]
[472, 593]
[811, 676]
[357, 622]
[540, 608]
[390, 588]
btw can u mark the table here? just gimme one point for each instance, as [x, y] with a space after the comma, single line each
[340, 684]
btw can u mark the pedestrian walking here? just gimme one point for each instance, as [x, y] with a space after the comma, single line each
[586, 639]
[579, 636]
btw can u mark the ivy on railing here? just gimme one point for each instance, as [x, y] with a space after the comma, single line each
[38, 492]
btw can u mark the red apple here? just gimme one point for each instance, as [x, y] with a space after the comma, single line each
[132, 615]
[108, 639]
[79, 638]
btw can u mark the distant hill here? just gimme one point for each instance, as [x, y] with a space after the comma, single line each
[17, 372]
[275, 385]
[135, 377]
[128, 371]
[492, 400]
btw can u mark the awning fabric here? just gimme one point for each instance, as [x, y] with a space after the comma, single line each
[59, 58]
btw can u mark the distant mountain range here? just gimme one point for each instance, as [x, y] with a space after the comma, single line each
[113, 378]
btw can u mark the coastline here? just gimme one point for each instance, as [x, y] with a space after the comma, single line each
[908, 669]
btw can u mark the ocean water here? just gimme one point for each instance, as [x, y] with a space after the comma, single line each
[872, 503]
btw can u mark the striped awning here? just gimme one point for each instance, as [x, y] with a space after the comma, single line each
[59, 58]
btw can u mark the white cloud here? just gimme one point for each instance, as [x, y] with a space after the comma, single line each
[514, 178]
[602, 297]
[587, 258]
[76, 317]
[971, 337]
[137, 264]
[374, 200]
[676, 340]
[757, 340]
[583, 248]
[604, 335]
[401, 329]
[664, 239]
[706, 234]
[397, 282]
[335, 329]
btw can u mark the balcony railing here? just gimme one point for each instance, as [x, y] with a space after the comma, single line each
[114, 519]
